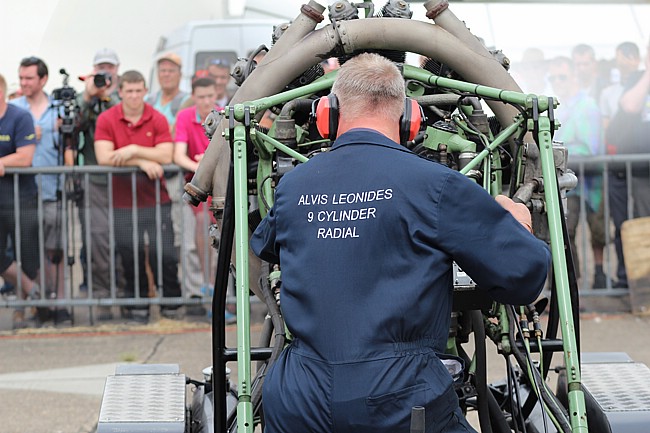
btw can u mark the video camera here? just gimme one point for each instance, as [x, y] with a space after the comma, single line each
[65, 99]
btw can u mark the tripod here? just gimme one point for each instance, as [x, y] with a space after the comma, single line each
[68, 193]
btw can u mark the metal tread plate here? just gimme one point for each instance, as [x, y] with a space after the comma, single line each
[154, 398]
[618, 387]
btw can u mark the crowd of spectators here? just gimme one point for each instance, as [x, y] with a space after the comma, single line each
[604, 110]
[121, 123]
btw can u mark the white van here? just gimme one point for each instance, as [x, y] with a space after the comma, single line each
[200, 42]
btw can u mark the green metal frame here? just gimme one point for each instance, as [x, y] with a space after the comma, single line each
[265, 145]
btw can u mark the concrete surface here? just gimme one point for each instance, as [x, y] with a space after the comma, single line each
[52, 379]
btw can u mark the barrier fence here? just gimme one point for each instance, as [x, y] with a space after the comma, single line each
[81, 230]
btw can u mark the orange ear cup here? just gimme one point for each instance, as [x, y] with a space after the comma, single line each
[327, 116]
[410, 122]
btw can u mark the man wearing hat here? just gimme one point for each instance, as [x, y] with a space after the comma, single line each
[169, 99]
[100, 93]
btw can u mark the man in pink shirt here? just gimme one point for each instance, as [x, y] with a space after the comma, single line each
[190, 144]
[132, 133]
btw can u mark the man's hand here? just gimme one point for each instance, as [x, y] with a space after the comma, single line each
[152, 169]
[122, 155]
[2, 169]
[91, 89]
[518, 210]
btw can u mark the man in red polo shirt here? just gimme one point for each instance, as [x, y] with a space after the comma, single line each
[132, 133]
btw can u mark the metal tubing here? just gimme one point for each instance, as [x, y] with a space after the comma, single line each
[17, 238]
[394, 33]
[87, 238]
[244, 407]
[134, 236]
[41, 232]
[577, 412]
[159, 242]
[448, 21]
[111, 235]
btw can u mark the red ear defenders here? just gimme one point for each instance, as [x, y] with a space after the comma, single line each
[326, 112]
[409, 123]
[327, 115]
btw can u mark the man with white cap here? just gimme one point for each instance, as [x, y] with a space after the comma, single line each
[100, 93]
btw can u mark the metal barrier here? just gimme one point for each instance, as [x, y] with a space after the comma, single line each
[75, 214]
[632, 168]
[73, 237]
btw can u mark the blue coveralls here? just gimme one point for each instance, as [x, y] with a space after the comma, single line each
[366, 235]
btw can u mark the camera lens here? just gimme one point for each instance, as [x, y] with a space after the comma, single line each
[100, 80]
[67, 94]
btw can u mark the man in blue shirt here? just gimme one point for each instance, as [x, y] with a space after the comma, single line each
[17, 144]
[33, 74]
[366, 235]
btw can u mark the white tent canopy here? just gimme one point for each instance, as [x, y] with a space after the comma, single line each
[66, 33]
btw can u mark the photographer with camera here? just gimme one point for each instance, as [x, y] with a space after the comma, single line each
[33, 75]
[100, 94]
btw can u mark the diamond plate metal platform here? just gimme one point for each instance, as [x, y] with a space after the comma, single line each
[618, 387]
[617, 392]
[134, 403]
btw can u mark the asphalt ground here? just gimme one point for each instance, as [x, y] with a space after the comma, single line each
[52, 378]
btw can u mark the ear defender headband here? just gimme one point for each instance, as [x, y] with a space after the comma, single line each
[326, 112]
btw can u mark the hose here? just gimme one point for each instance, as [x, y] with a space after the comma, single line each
[557, 414]
[481, 371]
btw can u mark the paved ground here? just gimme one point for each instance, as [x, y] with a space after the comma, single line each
[52, 379]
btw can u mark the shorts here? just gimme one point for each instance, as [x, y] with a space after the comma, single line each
[52, 225]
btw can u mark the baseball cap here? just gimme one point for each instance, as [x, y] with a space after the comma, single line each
[172, 57]
[106, 55]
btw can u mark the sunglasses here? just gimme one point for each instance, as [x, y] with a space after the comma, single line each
[560, 77]
[220, 62]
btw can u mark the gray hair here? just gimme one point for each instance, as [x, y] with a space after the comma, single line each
[369, 84]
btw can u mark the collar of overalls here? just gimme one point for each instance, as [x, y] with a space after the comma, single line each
[366, 136]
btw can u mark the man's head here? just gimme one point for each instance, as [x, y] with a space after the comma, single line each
[33, 76]
[169, 72]
[585, 64]
[204, 95]
[106, 61]
[562, 77]
[132, 90]
[370, 84]
[627, 58]
[219, 70]
[3, 89]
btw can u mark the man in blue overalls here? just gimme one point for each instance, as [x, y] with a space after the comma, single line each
[366, 235]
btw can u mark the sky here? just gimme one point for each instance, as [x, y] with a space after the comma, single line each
[66, 33]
